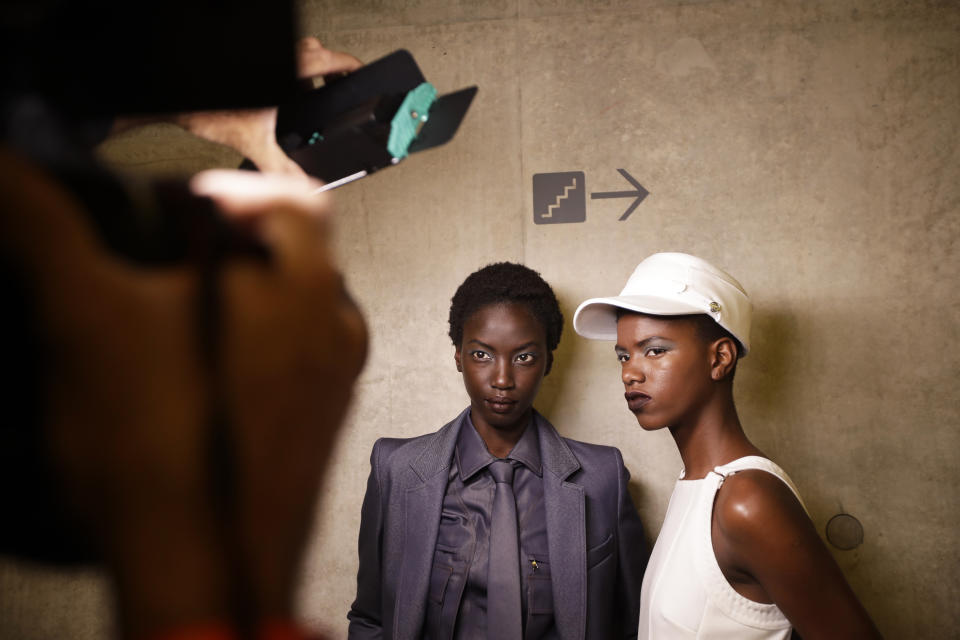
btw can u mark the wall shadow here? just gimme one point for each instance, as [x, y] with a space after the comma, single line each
[565, 358]
[764, 379]
[640, 495]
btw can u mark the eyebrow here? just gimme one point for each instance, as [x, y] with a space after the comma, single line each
[525, 345]
[640, 344]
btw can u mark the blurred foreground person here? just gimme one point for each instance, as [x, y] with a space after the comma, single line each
[180, 355]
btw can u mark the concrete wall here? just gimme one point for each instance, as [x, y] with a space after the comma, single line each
[810, 148]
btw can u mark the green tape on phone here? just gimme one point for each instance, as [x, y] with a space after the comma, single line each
[414, 111]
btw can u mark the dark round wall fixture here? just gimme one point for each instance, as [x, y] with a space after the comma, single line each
[844, 531]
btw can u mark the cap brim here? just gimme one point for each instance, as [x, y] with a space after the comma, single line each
[596, 318]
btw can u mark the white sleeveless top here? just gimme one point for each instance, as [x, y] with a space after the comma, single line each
[685, 594]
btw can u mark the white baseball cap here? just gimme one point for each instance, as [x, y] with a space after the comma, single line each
[671, 284]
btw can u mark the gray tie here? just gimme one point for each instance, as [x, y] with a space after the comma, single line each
[503, 577]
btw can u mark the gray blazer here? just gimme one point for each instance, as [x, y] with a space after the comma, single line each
[594, 536]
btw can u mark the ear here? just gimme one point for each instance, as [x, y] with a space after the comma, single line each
[723, 358]
[456, 358]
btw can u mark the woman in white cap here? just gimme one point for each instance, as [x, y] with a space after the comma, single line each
[737, 556]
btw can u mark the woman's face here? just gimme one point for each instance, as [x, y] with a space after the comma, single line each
[665, 366]
[503, 358]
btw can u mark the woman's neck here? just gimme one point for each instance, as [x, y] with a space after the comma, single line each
[501, 441]
[710, 439]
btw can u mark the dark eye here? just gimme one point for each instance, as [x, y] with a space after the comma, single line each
[622, 357]
[526, 358]
[655, 351]
[479, 355]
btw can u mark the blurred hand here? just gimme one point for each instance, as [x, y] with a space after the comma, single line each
[295, 344]
[314, 60]
[252, 132]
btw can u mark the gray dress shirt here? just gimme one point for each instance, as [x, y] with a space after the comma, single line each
[457, 607]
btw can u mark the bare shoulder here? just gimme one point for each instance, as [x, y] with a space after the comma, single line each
[769, 550]
[753, 504]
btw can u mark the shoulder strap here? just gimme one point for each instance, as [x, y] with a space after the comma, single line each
[763, 464]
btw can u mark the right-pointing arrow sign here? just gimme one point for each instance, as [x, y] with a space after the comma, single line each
[639, 194]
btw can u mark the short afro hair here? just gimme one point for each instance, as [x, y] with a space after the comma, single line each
[504, 283]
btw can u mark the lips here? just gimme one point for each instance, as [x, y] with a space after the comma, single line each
[500, 404]
[636, 400]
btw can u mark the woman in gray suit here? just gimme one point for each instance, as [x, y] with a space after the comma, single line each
[495, 526]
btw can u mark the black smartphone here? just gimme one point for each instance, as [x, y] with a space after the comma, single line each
[348, 128]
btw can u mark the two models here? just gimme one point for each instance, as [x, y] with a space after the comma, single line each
[495, 527]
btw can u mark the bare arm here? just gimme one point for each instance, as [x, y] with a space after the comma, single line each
[252, 132]
[769, 551]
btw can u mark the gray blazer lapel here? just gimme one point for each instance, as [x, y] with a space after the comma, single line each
[566, 533]
[423, 501]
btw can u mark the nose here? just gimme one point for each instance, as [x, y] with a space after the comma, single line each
[502, 375]
[632, 371]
